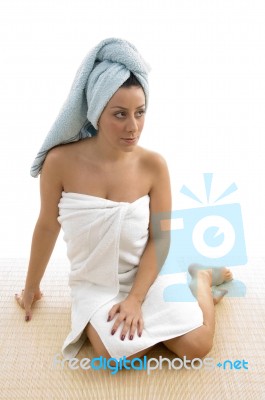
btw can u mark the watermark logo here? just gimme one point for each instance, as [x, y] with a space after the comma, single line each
[211, 235]
[145, 364]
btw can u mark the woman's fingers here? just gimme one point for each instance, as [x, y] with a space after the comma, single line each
[25, 301]
[19, 299]
[37, 296]
[28, 301]
[140, 327]
[130, 314]
[133, 327]
[113, 311]
[130, 325]
[126, 326]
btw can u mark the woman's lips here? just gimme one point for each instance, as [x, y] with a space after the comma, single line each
[130, 140]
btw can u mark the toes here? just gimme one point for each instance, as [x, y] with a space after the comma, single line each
[228, 275]
[219, 274]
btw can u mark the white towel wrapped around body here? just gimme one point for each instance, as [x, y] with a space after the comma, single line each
[105, 241]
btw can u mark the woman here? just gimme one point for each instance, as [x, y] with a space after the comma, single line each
[103, 188]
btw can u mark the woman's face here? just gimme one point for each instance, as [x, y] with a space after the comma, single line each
[122, 120]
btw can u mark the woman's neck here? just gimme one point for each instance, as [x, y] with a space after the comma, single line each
[108, 154]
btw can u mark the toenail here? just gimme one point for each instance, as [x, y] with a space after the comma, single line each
[123, 337]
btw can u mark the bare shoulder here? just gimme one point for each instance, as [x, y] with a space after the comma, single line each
[61, 158]
[160, 191]
[59, 154]
[152, 159]
[154, 162]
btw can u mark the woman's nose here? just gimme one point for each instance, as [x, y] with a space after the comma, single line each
[132, 125]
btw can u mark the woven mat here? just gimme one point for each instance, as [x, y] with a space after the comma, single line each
[27, 350]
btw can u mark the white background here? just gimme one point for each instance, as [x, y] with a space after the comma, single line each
[207, 101]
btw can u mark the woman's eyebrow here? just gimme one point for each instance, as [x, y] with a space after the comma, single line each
[123, 108]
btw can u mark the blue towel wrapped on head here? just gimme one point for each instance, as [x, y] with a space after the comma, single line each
[105, 68]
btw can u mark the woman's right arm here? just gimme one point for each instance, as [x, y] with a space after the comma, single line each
[46, 230]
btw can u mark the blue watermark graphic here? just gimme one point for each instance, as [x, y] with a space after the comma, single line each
[148, 365]
[212, 236]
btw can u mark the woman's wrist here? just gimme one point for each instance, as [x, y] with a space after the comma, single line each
[32, 286]
[135, 297]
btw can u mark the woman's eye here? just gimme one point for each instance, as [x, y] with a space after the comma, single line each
[140, 113]
[120, 114]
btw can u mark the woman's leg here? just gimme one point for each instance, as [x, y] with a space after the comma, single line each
[101, 350]
[197, 343]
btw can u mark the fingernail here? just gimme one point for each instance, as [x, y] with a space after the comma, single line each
[27, 318]
[131, 337]
[140, 334]
[108, 318]
[113, 331]
[122, 338]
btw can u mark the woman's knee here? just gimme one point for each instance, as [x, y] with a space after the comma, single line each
[201, 349]
[199, 342]
[191, 346]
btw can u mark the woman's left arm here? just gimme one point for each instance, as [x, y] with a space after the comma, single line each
[155, 251]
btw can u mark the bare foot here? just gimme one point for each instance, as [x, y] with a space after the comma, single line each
[217, 275]
[214, 276]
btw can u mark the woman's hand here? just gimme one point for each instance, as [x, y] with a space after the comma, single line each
[130, 312]
[26, 300]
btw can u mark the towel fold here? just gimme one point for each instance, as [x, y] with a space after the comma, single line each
[105, 68]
